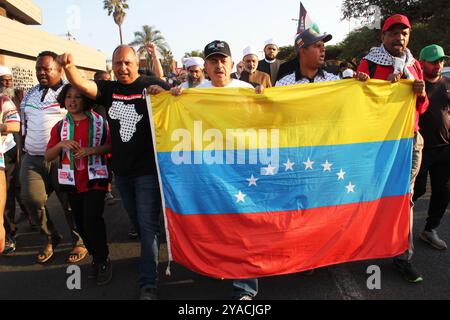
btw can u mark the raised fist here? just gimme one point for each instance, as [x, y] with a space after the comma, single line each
[65, 59]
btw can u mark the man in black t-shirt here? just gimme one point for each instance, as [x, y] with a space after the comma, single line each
[435, 129]
[132, 148]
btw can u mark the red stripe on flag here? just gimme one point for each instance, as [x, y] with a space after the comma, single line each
[265, 244]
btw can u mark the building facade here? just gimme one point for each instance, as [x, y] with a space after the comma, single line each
[20, 43]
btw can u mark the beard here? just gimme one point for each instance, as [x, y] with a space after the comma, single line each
[9, 92]
[194, 82]
[270, 58]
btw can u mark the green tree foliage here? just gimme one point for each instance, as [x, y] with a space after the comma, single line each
[149, 34]
[429, 19]
[194, 53]
[287, 53]
[167, 61]
[358, 42]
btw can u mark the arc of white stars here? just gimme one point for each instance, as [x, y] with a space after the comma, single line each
[289, 165]
[327, 166]
[240, 197]
[350, 188]
[269, 171]
[308, 164]
[341, 175]
[252, 181]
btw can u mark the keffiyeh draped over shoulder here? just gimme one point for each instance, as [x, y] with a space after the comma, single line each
[381, 56]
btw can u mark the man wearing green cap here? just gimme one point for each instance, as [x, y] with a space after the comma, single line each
[435, 129]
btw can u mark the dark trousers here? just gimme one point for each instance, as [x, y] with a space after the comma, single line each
[87, 209]
[436, 162]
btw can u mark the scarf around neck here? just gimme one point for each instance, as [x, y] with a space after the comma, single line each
[97, 168]
[380, 56]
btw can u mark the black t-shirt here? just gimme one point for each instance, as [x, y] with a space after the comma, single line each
[129, 122]
[435, 122]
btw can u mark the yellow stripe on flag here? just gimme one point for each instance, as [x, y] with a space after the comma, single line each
[332, 113]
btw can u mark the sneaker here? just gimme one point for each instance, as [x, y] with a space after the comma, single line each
[432, 238]
[10, 248]
[104, 273]
[245, 298]
[148, 294]
[408, 271]
[93, 271]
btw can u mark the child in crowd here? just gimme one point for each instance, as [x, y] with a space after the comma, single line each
[82, 140]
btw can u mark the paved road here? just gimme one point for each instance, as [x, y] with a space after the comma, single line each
[22, 278]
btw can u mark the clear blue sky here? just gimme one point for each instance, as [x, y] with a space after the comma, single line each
[190, 25]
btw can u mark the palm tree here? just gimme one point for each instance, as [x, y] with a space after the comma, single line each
[117, 9]
[149, 34]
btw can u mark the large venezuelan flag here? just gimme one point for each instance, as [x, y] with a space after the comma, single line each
[335, 190]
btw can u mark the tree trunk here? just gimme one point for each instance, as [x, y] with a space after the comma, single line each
[121, 37]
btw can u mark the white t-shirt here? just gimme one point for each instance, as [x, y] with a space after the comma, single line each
[233, 84]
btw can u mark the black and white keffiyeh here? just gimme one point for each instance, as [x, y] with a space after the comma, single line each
[381, 56]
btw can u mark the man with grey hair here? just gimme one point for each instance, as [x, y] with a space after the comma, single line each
[251, 74]
[133, 154]
[7, 86]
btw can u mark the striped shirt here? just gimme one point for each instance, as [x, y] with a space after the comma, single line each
[40, 112]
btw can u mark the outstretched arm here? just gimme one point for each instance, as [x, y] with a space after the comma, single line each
[85, 86]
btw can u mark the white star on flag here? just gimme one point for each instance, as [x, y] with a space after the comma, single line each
[350, 188]
[269, 171]
[240, 197]
[289, 165]
[308, 164]
[341, 175]
[327, 166]
[252, 181]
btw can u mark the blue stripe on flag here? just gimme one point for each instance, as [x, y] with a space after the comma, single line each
[370, 171]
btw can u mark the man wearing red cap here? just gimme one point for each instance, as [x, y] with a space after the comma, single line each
[393, 61]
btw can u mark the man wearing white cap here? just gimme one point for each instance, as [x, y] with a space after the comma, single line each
[194, 67]
[5, 77]
[271, 65]
[250, 73]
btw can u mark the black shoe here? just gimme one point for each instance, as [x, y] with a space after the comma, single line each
[148, 294]
[104, 273]
[408, 271]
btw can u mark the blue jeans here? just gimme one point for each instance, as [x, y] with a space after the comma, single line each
[141, 199]
[245, 287]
